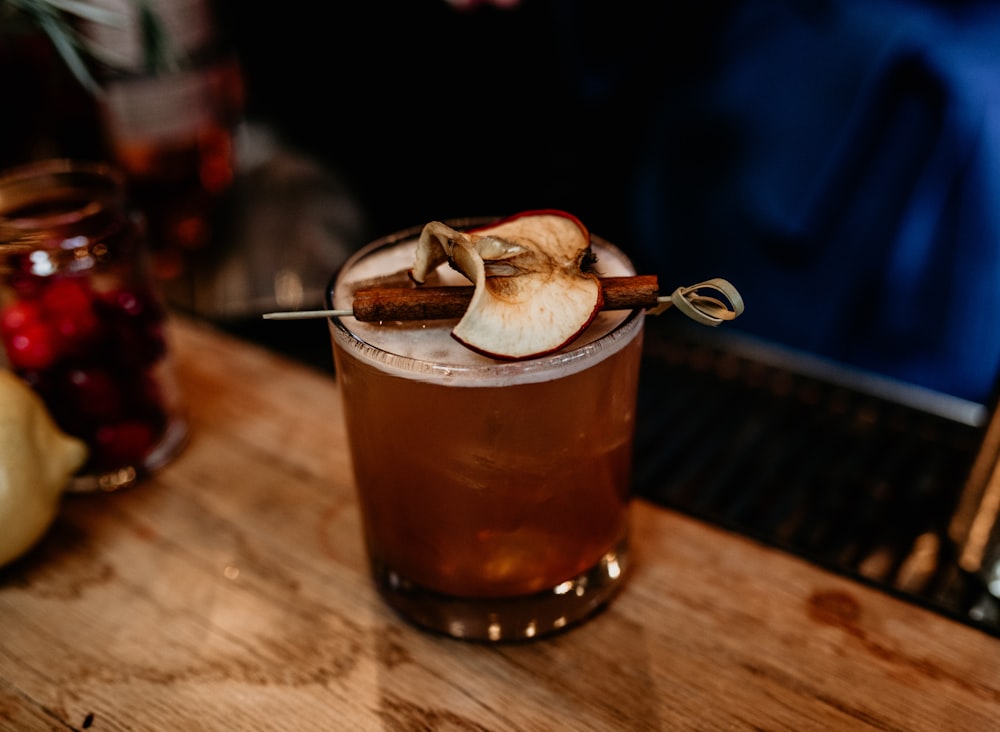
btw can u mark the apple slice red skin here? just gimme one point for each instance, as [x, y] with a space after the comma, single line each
[533, 212]
[539, 354]
[598, 305]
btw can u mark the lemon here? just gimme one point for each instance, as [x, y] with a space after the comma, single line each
[36, 462]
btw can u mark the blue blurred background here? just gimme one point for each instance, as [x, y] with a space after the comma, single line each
[838, 161]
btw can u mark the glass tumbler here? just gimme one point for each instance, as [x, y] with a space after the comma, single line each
[81, 321]
[494, 495]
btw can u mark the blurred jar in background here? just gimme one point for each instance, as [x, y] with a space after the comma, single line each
[81, 321]
[173, 97]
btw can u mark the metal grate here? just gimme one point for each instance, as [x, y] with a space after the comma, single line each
[856, 483]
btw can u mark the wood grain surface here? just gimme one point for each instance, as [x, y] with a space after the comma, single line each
[230, 592]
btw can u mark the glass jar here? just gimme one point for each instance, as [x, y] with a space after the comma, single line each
[170, 118]
[81, 321]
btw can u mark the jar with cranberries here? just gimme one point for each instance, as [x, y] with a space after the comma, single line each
[81, 321]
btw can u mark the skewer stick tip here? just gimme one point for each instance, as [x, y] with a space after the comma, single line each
[307, 314]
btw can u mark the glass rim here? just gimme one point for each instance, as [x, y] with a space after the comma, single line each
[572, 357]
[31, 182]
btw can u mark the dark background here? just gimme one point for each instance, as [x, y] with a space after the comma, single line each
[838, 161]
[429, 112]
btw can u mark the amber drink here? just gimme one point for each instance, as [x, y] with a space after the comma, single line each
[494, 495]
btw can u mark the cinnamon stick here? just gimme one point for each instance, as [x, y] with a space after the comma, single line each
[432, 303]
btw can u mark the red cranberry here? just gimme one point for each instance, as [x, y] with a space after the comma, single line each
[123, 442]
[94, 393]
[66, 295]
[68, 304]
[18, 315]
[31, 347]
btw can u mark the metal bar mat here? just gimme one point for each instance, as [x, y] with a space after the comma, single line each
[857, 484]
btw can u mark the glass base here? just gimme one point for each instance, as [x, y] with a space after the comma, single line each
[173, 440]
[507, 618]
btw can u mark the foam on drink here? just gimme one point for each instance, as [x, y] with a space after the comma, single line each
[425, 350]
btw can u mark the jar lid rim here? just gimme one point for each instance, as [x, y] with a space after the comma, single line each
[101, 184]
[55, 166]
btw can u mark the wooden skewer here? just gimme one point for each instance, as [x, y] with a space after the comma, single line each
[376, 304]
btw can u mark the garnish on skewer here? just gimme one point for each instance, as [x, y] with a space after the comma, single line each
[534, 289]
[534, 285]
[388, 304]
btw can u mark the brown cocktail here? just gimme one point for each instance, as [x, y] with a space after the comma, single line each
[494, 493]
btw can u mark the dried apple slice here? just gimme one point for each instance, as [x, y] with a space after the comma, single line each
[533, 293]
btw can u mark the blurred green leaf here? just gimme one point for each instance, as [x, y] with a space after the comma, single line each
[58, 18]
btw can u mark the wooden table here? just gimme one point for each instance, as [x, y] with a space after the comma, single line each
[230, 591]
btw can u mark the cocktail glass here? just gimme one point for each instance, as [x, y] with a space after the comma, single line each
[494, 495]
